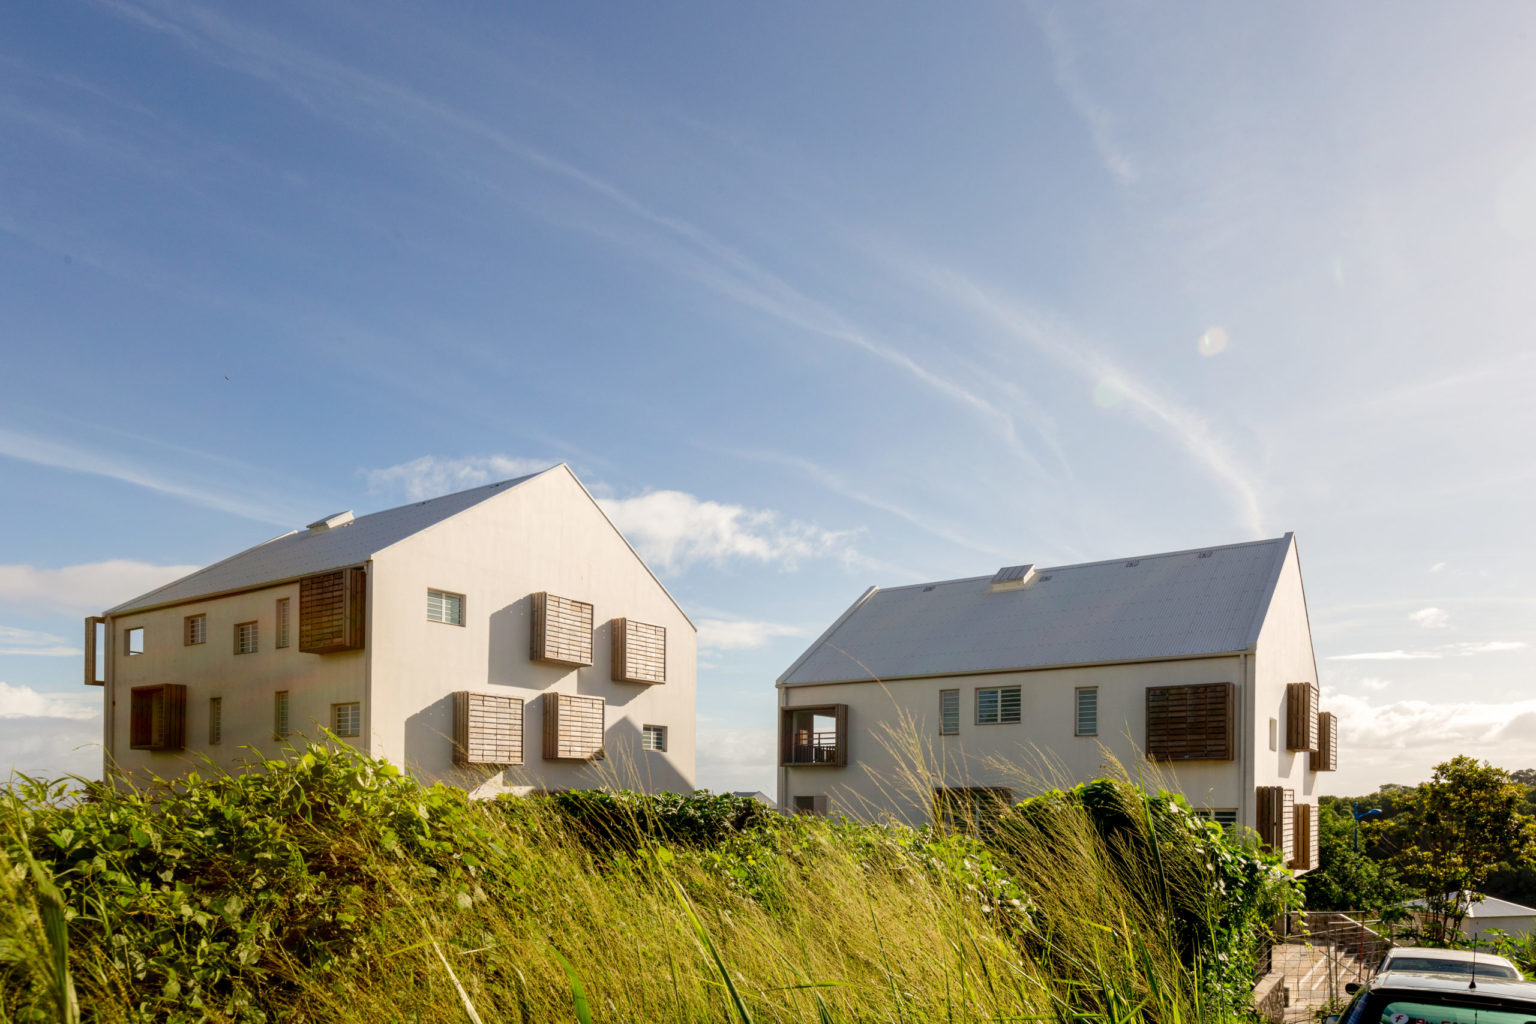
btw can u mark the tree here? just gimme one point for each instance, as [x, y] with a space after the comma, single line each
[1346, 879]
[1453, 832]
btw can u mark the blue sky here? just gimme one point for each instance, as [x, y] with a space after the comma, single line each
[813, 296]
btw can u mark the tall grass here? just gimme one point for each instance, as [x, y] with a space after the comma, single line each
[328, 887]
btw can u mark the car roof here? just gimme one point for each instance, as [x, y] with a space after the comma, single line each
[1431, 953]
[1410, 981]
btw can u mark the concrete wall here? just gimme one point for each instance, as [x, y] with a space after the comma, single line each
[246, 682]
[883, 773]
[1284, 655]
[546, 534]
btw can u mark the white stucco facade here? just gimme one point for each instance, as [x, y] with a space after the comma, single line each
[897, 753]
[541, 534]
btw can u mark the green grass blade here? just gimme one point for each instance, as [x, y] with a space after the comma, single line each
[702, 935]
[578, 993]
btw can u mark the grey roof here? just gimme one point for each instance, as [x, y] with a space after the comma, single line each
[1488, 906]
[301, 552]
[1179, 604]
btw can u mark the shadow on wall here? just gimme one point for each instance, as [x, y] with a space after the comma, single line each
[429, 748]
[508, 643]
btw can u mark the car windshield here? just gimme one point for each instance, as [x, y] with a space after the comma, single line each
[1437, 966]
[1447, 1008]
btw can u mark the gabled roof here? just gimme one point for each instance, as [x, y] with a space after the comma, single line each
[301, 552]
[1179, 604]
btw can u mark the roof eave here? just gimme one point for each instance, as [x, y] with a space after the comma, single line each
[783, 684]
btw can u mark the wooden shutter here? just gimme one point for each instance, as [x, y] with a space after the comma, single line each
[331, 611]
[157, 717]
[573, 727]
[1326, 757]
[561, 632]
[1301, 716]
[1304, 852]
[840, 713]
[1190, 723]
[92, 624]
[1275, 815]
[639, 652]
[487, 729]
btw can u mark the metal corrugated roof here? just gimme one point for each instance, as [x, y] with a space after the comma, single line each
[1178, 604]
[300, 553]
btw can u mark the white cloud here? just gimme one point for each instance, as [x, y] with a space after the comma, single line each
[673, 530]
[1373, 683]
[87, 588]
[741, 635]
[31, 641]
[1099, 121]
[50, 747]
[1437, 567]
[1403, 740]
[735, 759]
[1431, 618]
[25, 702]
[1461, 650]
[431, 476]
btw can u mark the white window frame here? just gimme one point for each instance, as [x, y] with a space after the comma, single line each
[130, 635]
[195, 630]
[215, 721]
[1078, 716]
[998, 711]
[281, 725]
[352, 709]
[282, 637]
[949, 712]
[241, 635]
[443, 597]
[653, 737]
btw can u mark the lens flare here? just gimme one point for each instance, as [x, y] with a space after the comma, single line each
[1213, 342]
[1108, 392]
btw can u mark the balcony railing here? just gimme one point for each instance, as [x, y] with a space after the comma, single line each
[814, 747]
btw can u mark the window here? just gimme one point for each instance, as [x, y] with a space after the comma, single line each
[814, 736]
[1087, 722]
[816, 805]
[215, 721]
[653, 737]
[157, 717]
[949, 712]
[1274, 734]
[972, 809]
[280, 714]
[196, 631]
[245, 638]
[998, 705]
[1226, 817]
[487, 729]
[347, 719]
[282, 622]
[562, 630]
[133, 641]
[1191, 723]
[445, 607]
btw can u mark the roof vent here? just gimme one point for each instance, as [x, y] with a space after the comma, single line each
[1012, 577]
[1133, 563]
[339, 519]
[1205, 554]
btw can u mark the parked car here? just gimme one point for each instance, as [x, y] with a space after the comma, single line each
[1426, 960]
[1408, 997]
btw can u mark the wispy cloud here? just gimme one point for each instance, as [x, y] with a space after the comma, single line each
[36, 643]
[26, 702]
[1113, 383]
[431, 476]
[741, 634]
[84, 589]
[673, 530]
[1461, 650]
[1430, 618]
[57, 455]
[1068, 74]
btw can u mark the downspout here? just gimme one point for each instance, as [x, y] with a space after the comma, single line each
[368, 641]
[778, 747]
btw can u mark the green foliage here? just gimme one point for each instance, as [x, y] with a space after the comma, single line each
[1346, 879]
[331, 887]
[1454, 832]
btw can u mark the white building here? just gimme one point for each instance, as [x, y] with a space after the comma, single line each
[1200, 660]
[502, 639]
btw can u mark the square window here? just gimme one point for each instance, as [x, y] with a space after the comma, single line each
[245, 638]
[215, 721]
[445, 607]
[133, 641]
[280, 714]
[998, 705]
[282, 622]
[653, 737]
[347, 719]
[949, 712]
[1087, 722]
[196, 630]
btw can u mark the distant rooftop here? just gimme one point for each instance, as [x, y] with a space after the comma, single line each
[334, 542]
[1178, 604]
